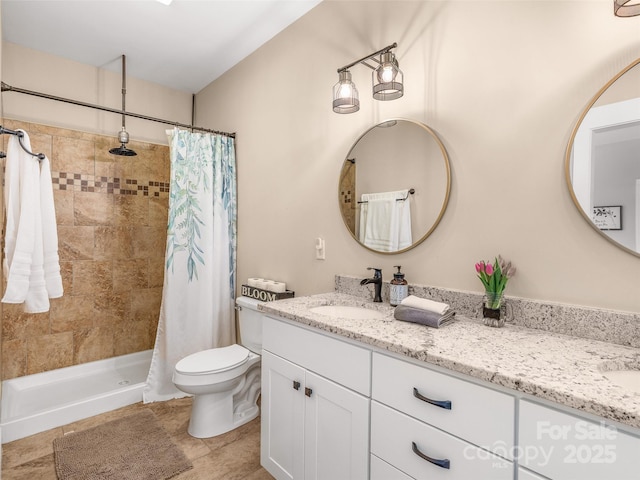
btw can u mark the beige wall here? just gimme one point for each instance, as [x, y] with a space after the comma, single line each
[37, 71]
[501, 82]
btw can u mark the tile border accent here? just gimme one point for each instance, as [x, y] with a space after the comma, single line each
[114, 185]
[611, 326]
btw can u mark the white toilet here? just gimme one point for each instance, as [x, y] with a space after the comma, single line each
[225, 382]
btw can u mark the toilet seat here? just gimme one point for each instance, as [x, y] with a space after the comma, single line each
[213, 360]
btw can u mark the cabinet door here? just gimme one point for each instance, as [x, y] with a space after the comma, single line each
[336, 431]
[563, 446]
[282, 431]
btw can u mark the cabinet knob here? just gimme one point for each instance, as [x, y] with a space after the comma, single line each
[438, 403]
[445, 463]
[308, 391]
[296, 385]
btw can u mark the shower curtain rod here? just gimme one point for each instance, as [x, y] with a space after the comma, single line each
[9, 88]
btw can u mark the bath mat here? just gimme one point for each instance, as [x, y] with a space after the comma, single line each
[135, 447]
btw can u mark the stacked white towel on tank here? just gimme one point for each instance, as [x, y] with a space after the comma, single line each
[423, 311]
[32, 264]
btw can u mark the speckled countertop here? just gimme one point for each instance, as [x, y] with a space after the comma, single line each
[560, 368]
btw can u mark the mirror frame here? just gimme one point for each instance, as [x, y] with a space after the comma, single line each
[445, 202]
[569, 150]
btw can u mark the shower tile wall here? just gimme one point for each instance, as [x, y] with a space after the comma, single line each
[112, 215]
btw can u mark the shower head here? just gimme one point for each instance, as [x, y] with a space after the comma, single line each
[123, 136]
[122, 150]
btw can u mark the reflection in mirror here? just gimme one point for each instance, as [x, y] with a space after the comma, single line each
[394, 185]
[602, 162]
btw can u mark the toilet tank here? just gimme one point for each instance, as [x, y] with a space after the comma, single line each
[250, 323]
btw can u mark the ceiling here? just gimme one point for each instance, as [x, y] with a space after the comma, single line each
[185, 45]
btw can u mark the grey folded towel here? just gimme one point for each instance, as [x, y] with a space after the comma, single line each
[423, 317]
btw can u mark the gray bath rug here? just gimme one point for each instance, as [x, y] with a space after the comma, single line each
[129, 448]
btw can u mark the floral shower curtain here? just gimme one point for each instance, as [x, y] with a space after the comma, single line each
[197, 311]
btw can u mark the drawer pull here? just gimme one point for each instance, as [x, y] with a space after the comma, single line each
[296, 385]
[308, 391]
[440, 463]
[438, 403]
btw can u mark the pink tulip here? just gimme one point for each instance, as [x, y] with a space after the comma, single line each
[488, 269]
[480, 267]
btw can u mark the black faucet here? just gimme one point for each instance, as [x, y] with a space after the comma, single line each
[377, 281]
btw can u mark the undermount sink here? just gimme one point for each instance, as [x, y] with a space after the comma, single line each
[628, 379]
[344, 311]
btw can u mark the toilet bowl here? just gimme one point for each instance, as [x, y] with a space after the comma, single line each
[225, 381]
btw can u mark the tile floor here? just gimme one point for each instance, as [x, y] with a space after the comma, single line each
[232, 456]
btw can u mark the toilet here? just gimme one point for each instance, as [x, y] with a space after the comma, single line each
[224, 382]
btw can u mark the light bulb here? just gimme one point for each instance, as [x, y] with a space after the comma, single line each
[345, 90]
[386, 74]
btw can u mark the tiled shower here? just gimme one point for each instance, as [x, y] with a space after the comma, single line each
[112, 216]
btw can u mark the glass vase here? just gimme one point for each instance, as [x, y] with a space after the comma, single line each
[493, 311]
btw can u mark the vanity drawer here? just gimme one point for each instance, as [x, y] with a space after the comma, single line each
[394, 434]
[478, 414]
[381, 470]
[563, 446]
[342, 362]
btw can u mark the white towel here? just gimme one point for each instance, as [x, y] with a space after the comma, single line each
[51, 259]
[385, 221]
[31, 237]
[425, 304]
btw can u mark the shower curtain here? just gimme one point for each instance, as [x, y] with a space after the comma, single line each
[197, 310]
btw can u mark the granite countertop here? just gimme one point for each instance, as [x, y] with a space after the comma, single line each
[560, 368]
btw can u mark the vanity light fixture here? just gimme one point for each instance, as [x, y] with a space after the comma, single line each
[387, 80]
[624, 8]
[345, 94]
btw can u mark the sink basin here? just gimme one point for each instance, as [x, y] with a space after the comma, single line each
[629, 379]
[344, 311]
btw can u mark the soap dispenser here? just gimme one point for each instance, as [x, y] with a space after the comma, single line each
[398, 288]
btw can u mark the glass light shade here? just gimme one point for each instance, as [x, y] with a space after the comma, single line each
[624, 8]
[388, 79]
[345, 94]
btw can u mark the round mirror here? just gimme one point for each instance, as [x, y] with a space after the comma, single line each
[602, 161]
[394, 185]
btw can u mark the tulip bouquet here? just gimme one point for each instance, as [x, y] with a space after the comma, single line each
[494, 277]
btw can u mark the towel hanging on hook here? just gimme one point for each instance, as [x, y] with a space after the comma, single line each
[20, 135]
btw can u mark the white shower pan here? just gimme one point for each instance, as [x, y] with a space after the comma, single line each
[39, 402]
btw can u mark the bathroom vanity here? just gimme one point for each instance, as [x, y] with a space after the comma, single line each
[355, 398]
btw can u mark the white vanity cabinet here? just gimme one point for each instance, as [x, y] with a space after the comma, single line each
[335, 409]
[429, 425]
[563, 446]
[315, 405]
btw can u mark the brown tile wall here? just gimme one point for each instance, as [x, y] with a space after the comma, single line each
[112, 216]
